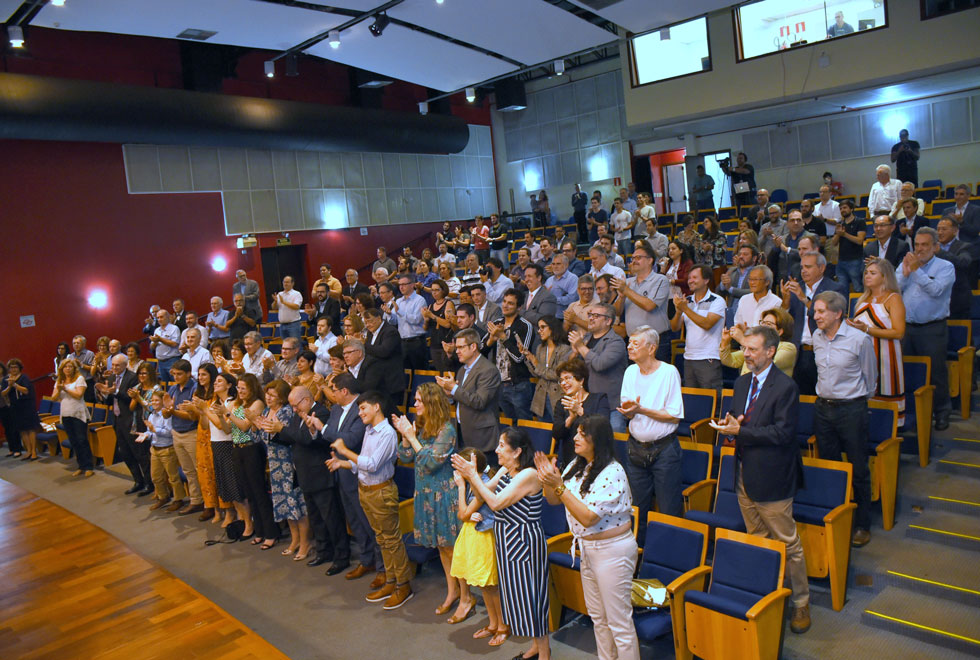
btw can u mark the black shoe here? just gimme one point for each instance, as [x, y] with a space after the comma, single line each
[146, 491]
[942, 422]
[338, 567]
[319, 560]
[135, 489]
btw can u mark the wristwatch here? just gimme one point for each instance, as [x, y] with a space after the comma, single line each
[559, 490]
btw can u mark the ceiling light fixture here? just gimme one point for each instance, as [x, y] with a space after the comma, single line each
[16, 36]
[559, 67]
[334, 38]
[439, 2]
[58, 3]
[270, 69]
[471, 94]
[381, 21]
[423, 108]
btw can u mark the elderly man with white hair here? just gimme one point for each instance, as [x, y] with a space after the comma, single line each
[151, 321]
[885, 191]
[217, 319]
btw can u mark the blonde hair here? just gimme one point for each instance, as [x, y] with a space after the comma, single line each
[437, 411]
[887, 273]
[71, 362]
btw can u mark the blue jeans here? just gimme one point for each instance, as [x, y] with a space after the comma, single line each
[618, 421]
[851, 273]
[515, 399]
[501, 254]
[164, 367]
[291, 329]
[660, 476]
[625, 247]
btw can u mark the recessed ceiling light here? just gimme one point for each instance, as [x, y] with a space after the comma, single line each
[58, 3]
[196, 35]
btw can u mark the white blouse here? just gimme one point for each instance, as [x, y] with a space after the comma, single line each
[608, 497]
[72, 407]
[217, 434]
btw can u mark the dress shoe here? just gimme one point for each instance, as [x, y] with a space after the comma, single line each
[860, 538]
[176, 506]
[134, 489]
[319, 560]
[360, 571]
[521, 656]
[146, 491]
[401, 595]
[207, 514]
[159, 504]
[381, 594]
[942, 422]
[378, 581]
[338, 567]
[800, 622]
[192, 508]
[77, 473]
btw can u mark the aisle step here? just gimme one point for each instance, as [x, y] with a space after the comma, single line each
[947, 529]
[935, 490]
[934, 620]
[960, 461]
[968, 444]
[918, 566]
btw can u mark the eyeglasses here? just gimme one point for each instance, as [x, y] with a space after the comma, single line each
[351, 351]
[599, 316]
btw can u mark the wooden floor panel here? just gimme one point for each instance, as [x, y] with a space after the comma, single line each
[70, 590]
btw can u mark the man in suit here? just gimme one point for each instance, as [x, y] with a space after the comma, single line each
[383, 351]
[345, 424]
[135, 455]
[798, 299]
[735, 283]
[351, 290]
[768, 468]
[540, 301]
[318, 483]
[486, 310]
[960, 254]
[476, 390]
[966, 215]
[323, 307]
[250, 292]
[885, 246]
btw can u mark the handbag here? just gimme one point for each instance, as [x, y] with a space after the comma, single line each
[233, 533]
[649, 593]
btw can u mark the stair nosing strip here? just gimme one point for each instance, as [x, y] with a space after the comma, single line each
[960, 463]
[923, 627]
[933, 582]
[967, 440]
[943, 531]
[950, 499]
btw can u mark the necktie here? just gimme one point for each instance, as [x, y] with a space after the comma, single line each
[115, 399]
[750, 404]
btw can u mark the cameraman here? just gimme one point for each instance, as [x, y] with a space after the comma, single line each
[905, 155]
[741, 173]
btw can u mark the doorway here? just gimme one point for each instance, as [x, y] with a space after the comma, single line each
[675, 188]
[667, 200]
[280, 261]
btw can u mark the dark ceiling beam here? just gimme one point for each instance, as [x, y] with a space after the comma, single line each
[359, 18]
[585, 15]
[464, 44]
[24, 14]
[298, 4]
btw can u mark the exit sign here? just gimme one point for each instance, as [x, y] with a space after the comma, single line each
[283, 241]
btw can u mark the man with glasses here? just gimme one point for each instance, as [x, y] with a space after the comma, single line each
[562, 284]
[605, 355]
[577, 313]
[286, 368]
[164, 343]
[476, 390]
[575, 265]
[496, 282]
[760, 298]
[643, 298]
[407, 313]
[885, 246]
[258, 361]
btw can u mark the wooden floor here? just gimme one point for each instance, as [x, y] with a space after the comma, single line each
[69, 590]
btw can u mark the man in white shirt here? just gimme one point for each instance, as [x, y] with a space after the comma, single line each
[606, 243]
[191, 320]
[531, 245]
[165, 343]
[703, 315]
[884, 192]
[325, 340]
[622, 224]
[444, 255]
[496, 283]
[828, 209]
[643, 213]
[601, 265]
[289, 301]
[759, 299]
[196, 354]
[258, 361]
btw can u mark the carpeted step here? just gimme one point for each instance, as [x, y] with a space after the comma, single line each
[942, 622]
[918, 566]
[960, 461]
[968, 444]
[938, 490]
[946, 529]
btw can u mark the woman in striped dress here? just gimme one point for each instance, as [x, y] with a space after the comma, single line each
[514, 494]
[880, 312]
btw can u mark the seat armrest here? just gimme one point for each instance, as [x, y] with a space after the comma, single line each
[689, 580]
[768, 601]
[560, 543]
[835, 514]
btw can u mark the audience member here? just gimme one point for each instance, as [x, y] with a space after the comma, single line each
[577, 266]
[575, 404]
[386, 363]
[552, 350]
[714, 244]
[911, 221]
[440, 324]
[615, 259]
[516, 273]
[179, 317]
[779, 320]
[759, 298]
[227, 484]
[735, 283]
[676, 267]
[163, 460]
[884, 192]
[596, 216]
[240, 322]
[333, 284]
[579, 203]
[147, 382]
[69, 391]
[847, 371]
[701, 195]
[496, 282]
[150, 323]
[742, 178]
[257, 360]
[966, 214]
[86, 362]
[562, 284]
[325, 340]
[849, 238]
[196, 354]
[540, 301]
[642, 217]
[759, 213]
[323, 306]
[288, 303]
[703, 316]
[476, 390]
[905, 155]
[384, 261]
[960, 254]
[813, 224]
[884, 247]
[206, 376]
[480, 238]
[785, 253]
[622, 225]
[407, 313]
[164, 343]
[605, 356]
[249, 290]
[926, 284]
[287, 367]
[828, 209]
[774, 227]
[179, 407]
[510, 340]
[577, 313]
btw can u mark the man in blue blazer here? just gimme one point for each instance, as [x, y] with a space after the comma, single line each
[798, 299]
[768, 467]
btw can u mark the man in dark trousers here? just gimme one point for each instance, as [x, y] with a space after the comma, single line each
[476, 390]
[311, 450]
[345, 424]
[383, 351]
[323, 307]
[135, 455]
[768, 468]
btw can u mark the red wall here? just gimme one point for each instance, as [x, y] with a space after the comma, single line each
[657, 162]
[69, 225]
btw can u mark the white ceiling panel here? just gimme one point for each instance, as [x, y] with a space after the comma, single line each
[237, 22]
[529, 31]
[413, 56]
[642, 15]
[8, 7]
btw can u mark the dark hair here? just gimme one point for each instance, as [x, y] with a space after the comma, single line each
[597, 429]
[537, 269]
[336, 351]
[494, 261]
[386, 285]
[516, 293]
[577, 368]
[442, 286]
[828, 174]
[373, 313]
[15, 362]
[67, 347]
[282, 390]
[327, 266]
[206, 392]
[706, 272]
[466, 453]
[366, 300]
[181, 365]
[686, 252]
[345, 381]
[467, 309]
[478, 285]
[646, 247]
[230, 379]
[126, 348]
[557, 328]
[372, 398]
[221, 345]
[846, 202]
[254, 389]
[517, 438]
[309, 356]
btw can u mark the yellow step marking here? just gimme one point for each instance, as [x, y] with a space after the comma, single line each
[938, 584]
[972, 465]
[943, 531]
[949, 499]
[922, 627]
[967, 440]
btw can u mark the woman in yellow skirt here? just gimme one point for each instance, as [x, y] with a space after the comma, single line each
[474, 557]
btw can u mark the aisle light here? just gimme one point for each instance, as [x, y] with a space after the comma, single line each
[423, 108]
